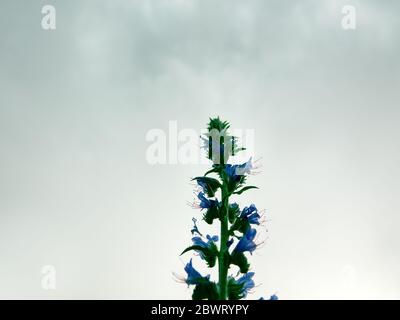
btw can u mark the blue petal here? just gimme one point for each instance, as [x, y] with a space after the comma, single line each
[254, 218]
[197, 241]
[246, 242]
[193, 275]
[213, 238]
[195, 229]
[247, 283]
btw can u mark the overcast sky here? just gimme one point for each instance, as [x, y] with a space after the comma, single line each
[76, 103]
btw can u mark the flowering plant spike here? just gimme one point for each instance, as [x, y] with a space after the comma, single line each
[230, 248]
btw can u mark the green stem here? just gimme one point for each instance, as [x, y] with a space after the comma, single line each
[223, 252]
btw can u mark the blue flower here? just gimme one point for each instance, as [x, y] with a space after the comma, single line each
[206, 203]
[202, 184]
[230, 170]
[247, 282]
[251, 214]
[244, 168]
[213, 238]
[195, 229]
[198, 241]
[193, 276]
[246, 242]
[207, 250]
[236, 170]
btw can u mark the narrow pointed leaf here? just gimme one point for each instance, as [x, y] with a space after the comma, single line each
[207, 290]
[210, 185]
[245, 189]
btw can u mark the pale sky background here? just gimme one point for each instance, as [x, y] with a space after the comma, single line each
[76, 191]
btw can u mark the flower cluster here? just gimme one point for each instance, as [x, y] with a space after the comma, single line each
[238, 227]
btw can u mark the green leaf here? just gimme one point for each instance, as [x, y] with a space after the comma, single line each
[234, 184]
[244, 189]
[197, 248]
[241, 225]
[205, 290]
[217, 124]
[209, 254]
[211, 185]
[212, 171]
[235, 290]
[233, 212]
[240, 260]
[211, 214]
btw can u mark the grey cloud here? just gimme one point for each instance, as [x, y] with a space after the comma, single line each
[76, 190]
